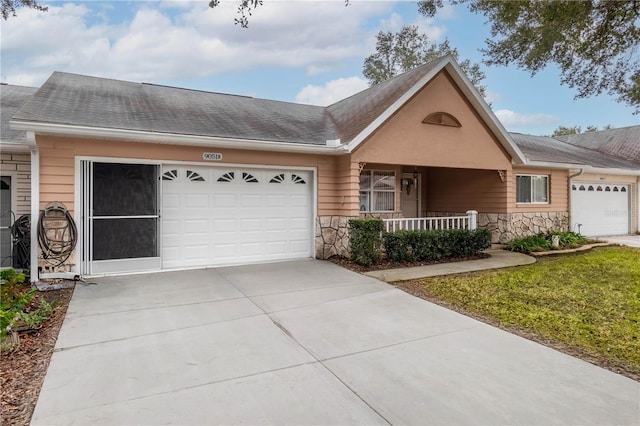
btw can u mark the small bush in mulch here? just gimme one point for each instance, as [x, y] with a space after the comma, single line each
[364, 240]
[544, 242]
[21, 308]
[22, 369]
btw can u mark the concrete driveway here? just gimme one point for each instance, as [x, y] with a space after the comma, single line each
[624, 240]
[305, 342]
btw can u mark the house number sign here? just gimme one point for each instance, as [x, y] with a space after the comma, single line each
[212, 156]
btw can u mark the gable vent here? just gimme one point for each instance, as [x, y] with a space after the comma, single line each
[442, 119]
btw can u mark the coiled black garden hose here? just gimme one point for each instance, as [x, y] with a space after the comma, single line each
[57, 233]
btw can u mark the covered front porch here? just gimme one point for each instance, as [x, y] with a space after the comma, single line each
[454, 198]
[414, 197]
[432, 197]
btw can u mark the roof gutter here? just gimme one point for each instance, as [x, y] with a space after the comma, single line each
[584, 168]
[175, 139]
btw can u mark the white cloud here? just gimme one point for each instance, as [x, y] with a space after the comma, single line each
[491, 97]
[514, 120]
[332, 91]
[395, 22]
[434, 32]
[168, 40]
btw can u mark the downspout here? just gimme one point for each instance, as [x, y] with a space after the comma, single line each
[569, 197]
[576, 175]
[35, 203]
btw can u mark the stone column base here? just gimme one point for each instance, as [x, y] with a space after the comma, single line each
[332, 236]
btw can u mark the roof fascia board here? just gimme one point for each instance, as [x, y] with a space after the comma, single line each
[14, 147]
[396, 105]
[490, 119]
[173, 139]
[586, 168]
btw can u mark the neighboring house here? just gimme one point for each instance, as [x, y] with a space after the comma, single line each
[165, 178]
[15, 167]
[603, 184]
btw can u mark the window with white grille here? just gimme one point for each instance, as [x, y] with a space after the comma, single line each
[377, 191]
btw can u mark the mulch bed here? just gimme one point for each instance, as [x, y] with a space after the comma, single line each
[386, 264]
[22, 370]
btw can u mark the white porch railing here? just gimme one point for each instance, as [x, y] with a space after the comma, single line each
[470, 221]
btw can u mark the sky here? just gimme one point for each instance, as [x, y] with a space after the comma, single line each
[303, 51]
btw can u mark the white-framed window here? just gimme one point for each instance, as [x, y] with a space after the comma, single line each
[532, 189]
[377, 191]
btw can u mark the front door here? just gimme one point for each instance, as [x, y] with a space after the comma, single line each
[410, 197]
[120, 217]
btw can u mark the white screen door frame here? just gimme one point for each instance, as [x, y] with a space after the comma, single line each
[113, 241]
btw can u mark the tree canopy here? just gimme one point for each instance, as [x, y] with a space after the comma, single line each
[594, 43]
[8, 7]
[574, 130]
[408, 48]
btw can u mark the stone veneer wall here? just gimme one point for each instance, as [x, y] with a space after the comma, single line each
[505, 227]
[332, 236]
[332, 233]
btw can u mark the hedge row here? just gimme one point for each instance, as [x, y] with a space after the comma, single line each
[412, 246]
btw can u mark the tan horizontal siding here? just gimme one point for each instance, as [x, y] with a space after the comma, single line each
[459, 190]
[57, 163]
[56, 170]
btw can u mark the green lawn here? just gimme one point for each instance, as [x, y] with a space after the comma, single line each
[587, 304]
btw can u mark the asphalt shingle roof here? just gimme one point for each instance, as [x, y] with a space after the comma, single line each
[353, 114]
[548, 149]
[79, 100]
[104, 103]
[622, 143]
[12, 98]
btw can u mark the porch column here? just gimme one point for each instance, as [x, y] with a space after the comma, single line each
[473, 219]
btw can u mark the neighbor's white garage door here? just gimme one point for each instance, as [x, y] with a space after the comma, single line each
[215, 215]
[600, 209]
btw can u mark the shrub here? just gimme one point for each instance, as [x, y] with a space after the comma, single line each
[544, 242]
[411, 246]
[364, 240]
[15, 297]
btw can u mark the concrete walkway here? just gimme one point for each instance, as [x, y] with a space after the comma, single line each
[498, 259]
[305, 342]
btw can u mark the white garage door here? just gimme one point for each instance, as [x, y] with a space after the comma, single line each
[600, 209]
[217, 216]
